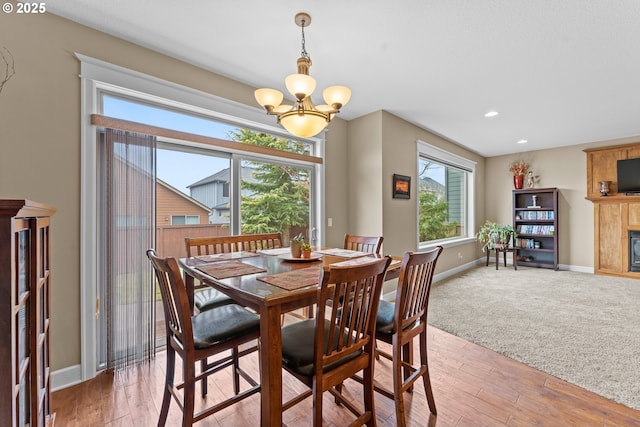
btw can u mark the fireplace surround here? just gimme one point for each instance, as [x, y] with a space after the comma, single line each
[634, 250]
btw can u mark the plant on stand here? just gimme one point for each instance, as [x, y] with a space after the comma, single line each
[493, 235]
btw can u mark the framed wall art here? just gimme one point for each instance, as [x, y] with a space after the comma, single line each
[401, 186]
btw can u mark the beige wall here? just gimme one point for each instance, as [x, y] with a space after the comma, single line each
[364, 176]
[381, 144]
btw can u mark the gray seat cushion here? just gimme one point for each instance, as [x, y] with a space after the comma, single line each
[384, 320]
[206, 299]
[223, 323]
[297, 347]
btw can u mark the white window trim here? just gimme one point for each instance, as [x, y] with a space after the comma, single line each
[97, 76]
[446, 157]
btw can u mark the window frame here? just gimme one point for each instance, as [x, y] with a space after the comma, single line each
[428, 151]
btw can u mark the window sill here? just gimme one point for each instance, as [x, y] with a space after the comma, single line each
[447, 243]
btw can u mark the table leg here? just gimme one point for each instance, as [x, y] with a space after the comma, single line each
[515, 259]
[270, 367]
[488, 250]
[504, 257]
[497, 257]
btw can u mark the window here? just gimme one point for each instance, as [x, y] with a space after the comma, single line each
[112, 91]
[185, 219]
[445, 195]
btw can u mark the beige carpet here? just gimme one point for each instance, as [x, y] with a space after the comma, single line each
[579, 327]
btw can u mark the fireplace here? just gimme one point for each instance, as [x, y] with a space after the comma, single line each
[634, 250]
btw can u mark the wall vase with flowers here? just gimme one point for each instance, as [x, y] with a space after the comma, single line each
[518, 169]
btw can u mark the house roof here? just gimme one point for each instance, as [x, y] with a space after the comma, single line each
[181, 194]
[223, 176]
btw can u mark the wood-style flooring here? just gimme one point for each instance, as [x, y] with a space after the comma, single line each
[473, 386]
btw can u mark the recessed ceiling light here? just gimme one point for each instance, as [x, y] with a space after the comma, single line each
[522, 141]
[491, 113]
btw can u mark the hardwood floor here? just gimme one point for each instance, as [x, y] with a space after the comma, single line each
[472, 386]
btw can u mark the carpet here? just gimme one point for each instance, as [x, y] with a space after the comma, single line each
[580, 327]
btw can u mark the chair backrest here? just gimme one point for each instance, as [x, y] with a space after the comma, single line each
[223, 244]
[363, 243]
[348, 299]
[177, 313]
[414, 286]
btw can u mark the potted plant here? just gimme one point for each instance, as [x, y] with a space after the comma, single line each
[493, 235]
[306, 250]
[296, 245]
[518, 169]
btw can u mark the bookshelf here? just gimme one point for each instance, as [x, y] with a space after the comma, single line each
[24, 311]
[535, 218]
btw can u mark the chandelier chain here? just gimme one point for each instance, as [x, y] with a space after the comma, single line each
[303, 53]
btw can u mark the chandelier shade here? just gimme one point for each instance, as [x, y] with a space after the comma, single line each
[303, 119]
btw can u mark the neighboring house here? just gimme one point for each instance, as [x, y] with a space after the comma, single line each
[173, 207]
[213, 191]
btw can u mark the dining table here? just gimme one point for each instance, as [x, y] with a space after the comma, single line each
[270, 282]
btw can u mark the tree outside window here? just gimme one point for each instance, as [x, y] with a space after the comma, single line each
[277, 199]
[442, 200]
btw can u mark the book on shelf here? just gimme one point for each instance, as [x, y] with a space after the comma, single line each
[536, 215]
[542, 230]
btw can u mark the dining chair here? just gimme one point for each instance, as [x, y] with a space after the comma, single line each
[363, 243]
[400, 322]
[195, 339]
[207, 297]
[338, 343]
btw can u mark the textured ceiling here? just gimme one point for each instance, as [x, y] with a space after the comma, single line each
[559, 72]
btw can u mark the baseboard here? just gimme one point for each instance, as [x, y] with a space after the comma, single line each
[578, 268]
[66, 377]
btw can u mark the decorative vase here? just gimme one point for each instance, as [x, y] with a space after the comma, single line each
[306, 253]
[604, 187]
[296, 249]
[518, 181]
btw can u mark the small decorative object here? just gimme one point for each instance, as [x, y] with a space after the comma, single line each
[493, 235]
[401, 186]
[8, 66]
[534, 200]
[605, 188]
[306, 250]
[296, 245]
[518, 169]
[532, 179]
[536, 244]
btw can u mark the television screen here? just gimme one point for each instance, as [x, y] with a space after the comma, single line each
[629, 176]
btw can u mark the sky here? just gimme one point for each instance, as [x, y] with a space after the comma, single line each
[177, 168]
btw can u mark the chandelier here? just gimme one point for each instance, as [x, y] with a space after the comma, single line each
[304, 119]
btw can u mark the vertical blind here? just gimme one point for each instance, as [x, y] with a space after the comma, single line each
[128, 205]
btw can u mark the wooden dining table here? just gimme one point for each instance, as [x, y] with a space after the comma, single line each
[269, 301]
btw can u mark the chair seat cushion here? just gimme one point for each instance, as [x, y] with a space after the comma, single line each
[223, 323]
[298, 341]
[384, 320]
[206, 299]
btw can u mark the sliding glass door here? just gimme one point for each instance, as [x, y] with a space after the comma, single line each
[202, 190]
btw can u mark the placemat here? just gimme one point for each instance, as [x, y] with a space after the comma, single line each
[355, 261]
[294, 279]
[222, 270]
[345, 253]
[227, 255]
